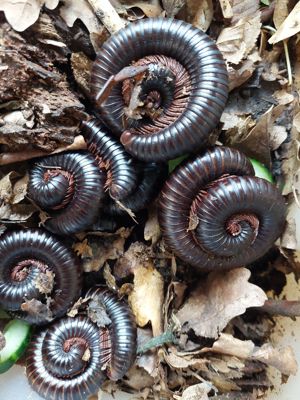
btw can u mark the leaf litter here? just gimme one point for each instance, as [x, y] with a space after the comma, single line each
[203, 336]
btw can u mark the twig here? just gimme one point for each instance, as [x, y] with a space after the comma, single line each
[107, 15]
[10, 158]
[285, 308]
[157, 341]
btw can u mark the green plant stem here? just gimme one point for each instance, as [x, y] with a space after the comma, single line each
[158, 341]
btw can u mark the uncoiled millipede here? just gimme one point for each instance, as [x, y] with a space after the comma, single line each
[214, 214]
[134, 183]
[56, 365]
[25, 255]
[71, 187]
[177, 117]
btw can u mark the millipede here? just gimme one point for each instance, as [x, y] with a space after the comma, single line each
[72, 358]
[70, 186]
[25, 255]
[214, 214]
[135, 183]
[161, 86]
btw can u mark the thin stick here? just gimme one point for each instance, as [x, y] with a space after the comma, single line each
[285, 308]
[107, 15]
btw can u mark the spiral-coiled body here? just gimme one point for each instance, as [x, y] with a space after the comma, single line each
[64, 361]
[135, 184]
[214, 214]
[71, 187]
[25, 256]
[111, 156]
[70, 359]
[122, 332]
[167, 127]
[150, 179]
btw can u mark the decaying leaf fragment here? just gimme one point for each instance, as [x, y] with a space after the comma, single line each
[289, 27]
[146, 298]
[200, 13]
[238, 40]
[23, 13]
[195, 392]
[218, 299]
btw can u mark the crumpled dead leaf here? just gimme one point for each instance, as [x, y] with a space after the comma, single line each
[23, 13]
[152, 229]
[200, 13]
[282, 359]
[281, 11]
[101, 247]
[146, 298]
[218, 299]
[238, 40]
[289, 27]
[195, 392]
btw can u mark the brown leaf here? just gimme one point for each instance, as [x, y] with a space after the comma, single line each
[97, 312]
[45, 281]
[146, 298]
[217, 300]
[152, 230]
[109, 278]
[20, 189]
[184, 361]
[241, 75]
[24, 13]
[200, 13]
[35, 307]
[289, 27]
[16, 212]
[281, 11]
[83, 249]
[148, 361]
[227, 344]
[226, 8]
[172, 7]
[282, 359]
[238, 40]
[195, 392]
[244, 8]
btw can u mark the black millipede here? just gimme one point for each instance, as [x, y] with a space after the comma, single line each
[71, 359]
[214, 214]
[121, 332]
[150, 179]
[71, 187]
[25, 256]
[121, 177]
[136, 184]
[171, 106]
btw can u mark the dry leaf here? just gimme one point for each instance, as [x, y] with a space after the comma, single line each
[195, 392]
[237, 41]
[226, 8]
[289, 27]
[146, 299]
[184, 361]
[281, 11]
[217, 300]
[241, 75]
[172, 7]
[83, 249]
[227, 344]
[282, 359]
[152, 230]
[244, 8]
[23, 13]
[200, 13]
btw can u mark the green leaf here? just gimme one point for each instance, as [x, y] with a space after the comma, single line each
[265, 2]
[261, 171]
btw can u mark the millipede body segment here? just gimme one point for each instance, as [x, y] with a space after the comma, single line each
[71, 358]
[70, 186]
[26, 257]
[171, 108]
[215, 214]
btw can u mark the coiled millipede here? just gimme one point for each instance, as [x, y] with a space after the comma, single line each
[174, 88]
[71, 187]
[73, 357]
[215, 214]
[28, 257]
[133, 183]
